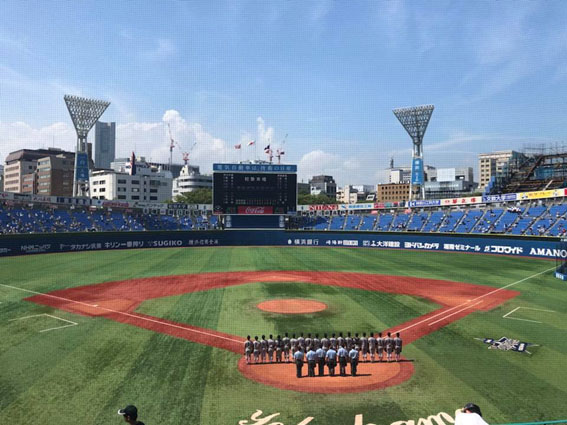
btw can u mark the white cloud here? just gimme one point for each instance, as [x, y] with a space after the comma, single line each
[351, 170]
[265, 135]
[163, 50]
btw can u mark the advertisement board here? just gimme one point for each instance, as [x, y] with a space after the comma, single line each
[417, 171]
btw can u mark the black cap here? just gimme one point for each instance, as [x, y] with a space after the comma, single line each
[473, 408]
[129, 411]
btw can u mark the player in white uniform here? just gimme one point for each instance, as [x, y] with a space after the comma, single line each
[248, 347]
[372, 346]
[398, 346]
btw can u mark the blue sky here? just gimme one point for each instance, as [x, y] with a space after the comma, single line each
[326, 73]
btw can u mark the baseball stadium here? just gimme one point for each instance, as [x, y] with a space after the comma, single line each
[103, 304]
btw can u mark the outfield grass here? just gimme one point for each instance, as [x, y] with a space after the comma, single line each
[85, 373]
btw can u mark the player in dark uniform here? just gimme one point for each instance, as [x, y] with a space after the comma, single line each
[398, 346]
[389, 346]
[248, 347]
[364, 346]
[257, 347]
[271, 348]
[380, 346]
[263, 348]
[343, 354]
[353, 356]
[298, 357]
[372, 346]
[279, 349]
[331, 360]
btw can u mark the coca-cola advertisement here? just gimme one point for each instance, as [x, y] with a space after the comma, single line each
[253, 210]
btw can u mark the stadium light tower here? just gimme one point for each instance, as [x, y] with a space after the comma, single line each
[415, 120]
[84, 114]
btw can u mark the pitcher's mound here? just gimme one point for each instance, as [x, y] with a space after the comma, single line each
[371, 376]
[292, 306]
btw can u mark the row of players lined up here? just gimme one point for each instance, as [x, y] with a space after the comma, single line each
[264, 350]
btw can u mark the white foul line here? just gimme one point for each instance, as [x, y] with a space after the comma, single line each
[456, 312]
[474, 299]
[48, 315]
[510, 312]
[123, 313]
[526, 308]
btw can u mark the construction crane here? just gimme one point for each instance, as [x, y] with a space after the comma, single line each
[171, 146]
[280, 151]
[187, 154]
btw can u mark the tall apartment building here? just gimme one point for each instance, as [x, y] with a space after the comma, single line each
[492, 164]
[105, 144]
[54, 175]
[20, 169]
[392, 192]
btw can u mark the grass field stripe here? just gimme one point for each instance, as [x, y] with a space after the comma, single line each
[510, 312]
[456, 312]
[125, 314]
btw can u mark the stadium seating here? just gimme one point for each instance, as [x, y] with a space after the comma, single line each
[352, 222]
[451, 220]
[368, 222]
[417, 221]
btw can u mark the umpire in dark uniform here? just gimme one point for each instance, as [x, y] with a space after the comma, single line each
[353, 356]
[298, 357]
[343, 354]
[321, 354]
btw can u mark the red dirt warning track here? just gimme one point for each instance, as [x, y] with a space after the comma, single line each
[118, 301]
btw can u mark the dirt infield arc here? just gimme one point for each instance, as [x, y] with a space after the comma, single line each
[118, 301]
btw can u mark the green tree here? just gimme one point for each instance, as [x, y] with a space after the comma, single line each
[308, 199]
[198, 196]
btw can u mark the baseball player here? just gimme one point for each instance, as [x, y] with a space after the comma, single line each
[353, 356]
[333, 342]
[248, 346]
[257, 348]
[263, 348]
[301, 341]
[331, 360]
[340, 340]
[325, 342]
[389, 346]
[293, 344]
[271, 348]
[308, 341]
[298, 357]
[279, 348]
[311, 361]
[364, 346]
[356, 340]
[398, 346]
[321, 354]
[348, 341]
[286, 347]
[380, 346]
[343, 354]
[316, 342]
[372, 346]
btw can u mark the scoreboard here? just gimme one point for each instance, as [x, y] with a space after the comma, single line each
[254, 189]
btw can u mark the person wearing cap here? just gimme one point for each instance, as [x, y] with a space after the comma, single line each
[248, 349]
[343, 354]
[298, 357]
[470, 415]
[372, 346]
[398, 346]
[263, 349]
[271, 348]
[279, 349]
[311, 357]
[321, 354]
[331, 360]
[130, 415]
[286, 347]
[380, 346]
[353, 356]
[364, 346]
[389, 346]
[256, 344]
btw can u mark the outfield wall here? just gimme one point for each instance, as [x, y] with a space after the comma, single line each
[79, 242]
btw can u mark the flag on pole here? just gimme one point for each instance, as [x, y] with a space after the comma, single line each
[238, 146]
[251, 142]
[267, 148]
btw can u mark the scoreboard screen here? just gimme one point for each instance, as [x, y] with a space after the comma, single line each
[255, 192]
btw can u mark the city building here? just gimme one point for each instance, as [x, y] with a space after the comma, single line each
[351, 194]
[24, 163]
[105, 144]
[303, 188]
[124, 163]
[323, 185]
[1, 178]
[191, 179]
[144, 183]
[54, 175]
[450, 183]
[392, 192]
[493, 164]
[403, 174]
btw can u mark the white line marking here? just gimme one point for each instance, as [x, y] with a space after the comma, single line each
[456, 312]
[477, 298]
[510, 312]
[123, 313]
[539, 309]
[48, 315]
[523, 320]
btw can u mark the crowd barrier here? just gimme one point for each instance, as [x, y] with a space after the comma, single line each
[78, 242]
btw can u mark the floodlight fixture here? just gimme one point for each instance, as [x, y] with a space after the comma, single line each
[415, 120]
[84, 114]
